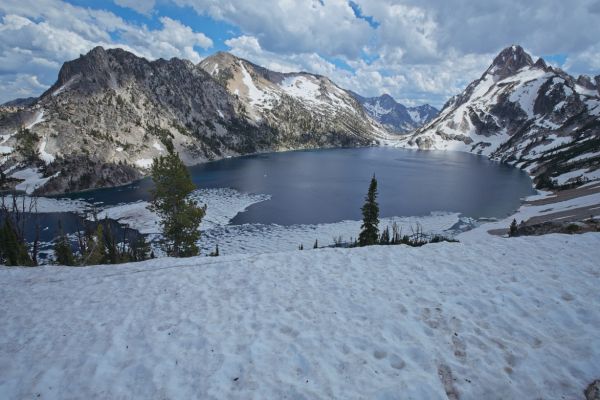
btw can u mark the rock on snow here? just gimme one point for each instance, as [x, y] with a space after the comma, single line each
[496, 319]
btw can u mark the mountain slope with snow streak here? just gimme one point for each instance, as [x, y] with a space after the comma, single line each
[528, 114]
[501, 318]
[296, 103]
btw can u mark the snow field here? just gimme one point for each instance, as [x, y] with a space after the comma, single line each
[222, 206]
[528, 211]
[505, 319]
[259, 238]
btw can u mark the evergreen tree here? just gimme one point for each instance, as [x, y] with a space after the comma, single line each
[301, 247]
[316, 245]
[62, 249]
[96, 248]
[385, 236]
[180, 216]
[513, 228]
[140, 250]
[13, 249]
[113, 255]
[369, 234]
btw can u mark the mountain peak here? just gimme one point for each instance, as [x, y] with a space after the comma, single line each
[387, 101]
[509, 61]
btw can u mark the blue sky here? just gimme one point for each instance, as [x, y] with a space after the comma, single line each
[416, 50]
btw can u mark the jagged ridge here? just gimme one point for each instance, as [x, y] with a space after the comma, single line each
[394, 116]
[527, 114]
[113, 112]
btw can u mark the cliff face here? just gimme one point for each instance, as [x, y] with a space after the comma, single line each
[110, 113]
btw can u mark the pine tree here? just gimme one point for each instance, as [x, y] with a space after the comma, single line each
[369, 234]
[113, 255]
[180, 215]
[139, 249]
[316, 245]
[301, 247]
[385, 236]
[13, 249]
[513, 228]
[96, 248]
[62, 249]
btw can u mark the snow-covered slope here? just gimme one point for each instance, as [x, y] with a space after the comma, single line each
[296, 103]
[395, 116]
[499, 319]
[528, 114]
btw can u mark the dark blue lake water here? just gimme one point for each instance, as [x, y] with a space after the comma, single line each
[321, 186]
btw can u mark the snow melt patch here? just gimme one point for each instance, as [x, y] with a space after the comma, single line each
[50, 204]
[39, 117]
[525, 94]
[144, 163]
[260, 238]
[222, 206]
[64, 87]
[301, 87]
[376, 109]
[45, 156]
[415, 116]
[528, 211]
[580, 173]
[256, 96]
[585, 91]
[33, 179]
[585, 156]
[6, 149]
[505, 318]
[157, 146]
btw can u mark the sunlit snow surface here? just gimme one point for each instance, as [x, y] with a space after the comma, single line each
[224, 204]
[501, 319]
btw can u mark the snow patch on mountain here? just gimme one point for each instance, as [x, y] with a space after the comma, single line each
[376, 110]
[145, 163]
[256, 96]
[44, 155]
[32, 179]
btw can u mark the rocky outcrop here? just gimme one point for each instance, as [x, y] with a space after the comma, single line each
[527, 114]
[110, 113]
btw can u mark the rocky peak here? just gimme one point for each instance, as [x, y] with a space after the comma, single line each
[97, 68]
[221, 58]
[586, 82]
[540, 63]
[509, 61]
[387, 101]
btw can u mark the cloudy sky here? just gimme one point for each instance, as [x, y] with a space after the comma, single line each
[419, 51]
